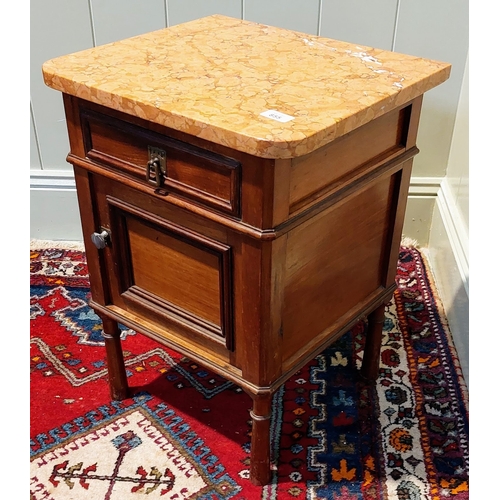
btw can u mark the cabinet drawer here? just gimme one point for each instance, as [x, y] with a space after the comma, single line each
[201, 176]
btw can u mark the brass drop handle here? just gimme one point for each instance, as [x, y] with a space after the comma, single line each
[153, 172]
[100, 240]
[156, 166]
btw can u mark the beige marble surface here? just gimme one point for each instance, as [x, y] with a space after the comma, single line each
[213, 78]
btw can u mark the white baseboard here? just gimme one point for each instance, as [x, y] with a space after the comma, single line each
[54, 213]
[448, 255]
[420, 207]
[456, 230]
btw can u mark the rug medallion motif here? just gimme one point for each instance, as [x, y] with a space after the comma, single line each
[130, 451]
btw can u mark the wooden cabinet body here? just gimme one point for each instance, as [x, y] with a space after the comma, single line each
[249, 266]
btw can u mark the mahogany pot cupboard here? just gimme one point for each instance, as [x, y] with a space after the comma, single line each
[247, 238]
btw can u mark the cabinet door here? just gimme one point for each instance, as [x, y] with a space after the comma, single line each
[164, 270]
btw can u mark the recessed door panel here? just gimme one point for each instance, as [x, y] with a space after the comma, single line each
[171, 271]
[175, 270]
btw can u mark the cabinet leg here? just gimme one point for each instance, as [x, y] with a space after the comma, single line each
[114, 355]
[260, 458]
[371, 356]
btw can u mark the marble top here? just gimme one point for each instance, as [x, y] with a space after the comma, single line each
[266, 91]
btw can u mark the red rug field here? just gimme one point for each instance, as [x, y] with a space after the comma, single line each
[185, 434]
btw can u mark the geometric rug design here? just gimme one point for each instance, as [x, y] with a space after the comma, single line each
[185, 432]
[128, 452]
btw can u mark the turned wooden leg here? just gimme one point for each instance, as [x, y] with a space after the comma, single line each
[114, 354]
[371, 356]
[260, 458]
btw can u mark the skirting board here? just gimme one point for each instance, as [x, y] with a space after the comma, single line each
[420, 207]
[54, 213]
[448, 257]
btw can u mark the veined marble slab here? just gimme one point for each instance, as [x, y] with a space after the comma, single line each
[266, 91]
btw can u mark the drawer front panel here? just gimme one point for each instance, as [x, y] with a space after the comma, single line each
[201, 176]
[172, 272]
[318, 173]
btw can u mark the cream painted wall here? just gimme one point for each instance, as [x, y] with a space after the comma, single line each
[458, 163]
[436, 30]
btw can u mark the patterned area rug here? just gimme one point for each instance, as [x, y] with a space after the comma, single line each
[185, 433]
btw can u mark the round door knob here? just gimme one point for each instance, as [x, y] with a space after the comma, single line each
[100, 240]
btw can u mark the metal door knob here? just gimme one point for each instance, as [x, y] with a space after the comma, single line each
[100, 240]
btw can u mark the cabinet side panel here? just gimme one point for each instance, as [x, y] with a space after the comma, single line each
[335, 262]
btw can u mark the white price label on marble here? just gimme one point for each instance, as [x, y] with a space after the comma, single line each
[276, 115]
